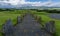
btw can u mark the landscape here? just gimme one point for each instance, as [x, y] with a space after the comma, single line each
[29, 18]
[13, 13]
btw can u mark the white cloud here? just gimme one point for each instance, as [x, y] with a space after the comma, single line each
[12, 2]
[22, 2]
[52, 4]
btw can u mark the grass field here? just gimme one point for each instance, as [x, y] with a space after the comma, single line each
[4, 15]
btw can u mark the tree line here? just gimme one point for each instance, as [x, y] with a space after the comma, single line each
[46, 10]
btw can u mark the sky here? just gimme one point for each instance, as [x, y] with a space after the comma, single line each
[43, 0]
[20, 3]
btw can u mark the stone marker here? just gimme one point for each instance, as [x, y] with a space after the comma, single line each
[8, 28]
[50, 26]
[19, 20]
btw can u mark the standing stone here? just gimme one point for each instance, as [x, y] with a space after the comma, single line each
[18, 20]
[8, 28]
[50, 27]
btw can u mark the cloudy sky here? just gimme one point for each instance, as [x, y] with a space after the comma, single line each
[20, 3]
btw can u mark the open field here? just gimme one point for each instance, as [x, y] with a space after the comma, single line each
[4, 15]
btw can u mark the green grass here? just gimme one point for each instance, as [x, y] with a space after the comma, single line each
[4, 15]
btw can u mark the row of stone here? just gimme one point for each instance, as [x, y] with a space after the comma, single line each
[48, 26]
[8, 28]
